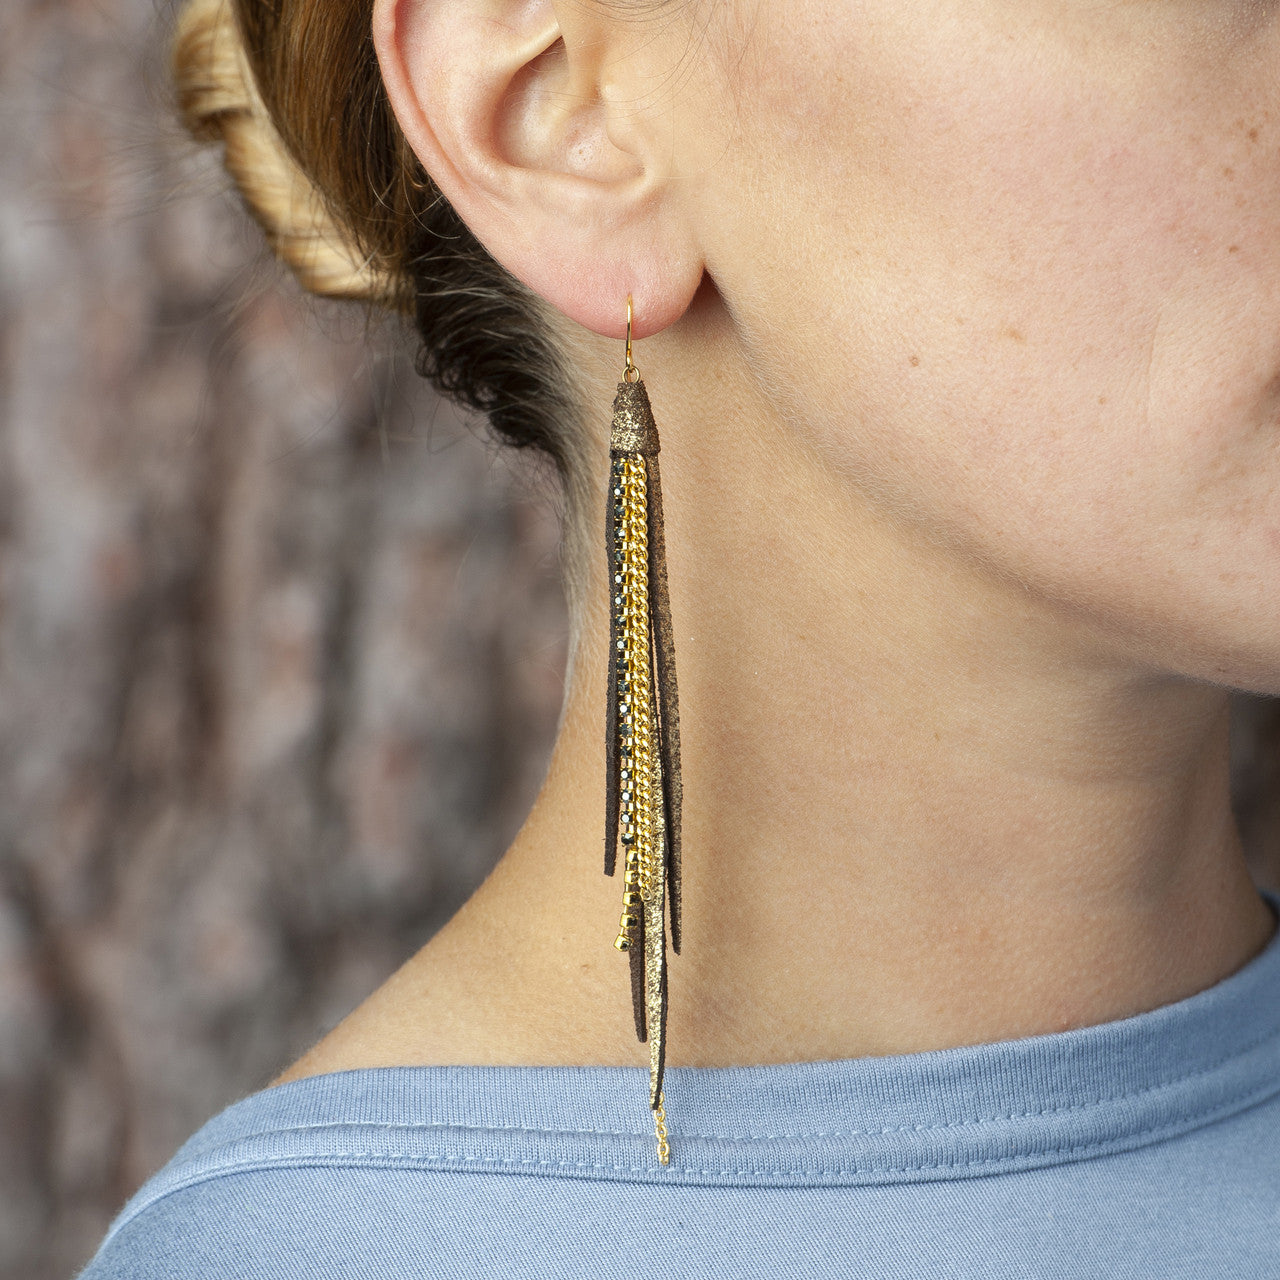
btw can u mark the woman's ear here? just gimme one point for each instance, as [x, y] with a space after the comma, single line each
[538, 121]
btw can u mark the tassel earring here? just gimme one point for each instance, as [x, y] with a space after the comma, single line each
[642, 733]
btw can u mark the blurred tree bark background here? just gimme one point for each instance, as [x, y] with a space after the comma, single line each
[281, 642]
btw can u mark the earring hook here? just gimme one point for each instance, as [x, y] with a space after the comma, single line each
[631, 367]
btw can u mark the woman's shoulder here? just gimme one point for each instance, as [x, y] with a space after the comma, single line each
[495, 1172]
[1140, 1145]
[389, 1171]
[1144, 1147]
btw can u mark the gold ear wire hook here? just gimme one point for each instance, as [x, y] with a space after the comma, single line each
[631, 366]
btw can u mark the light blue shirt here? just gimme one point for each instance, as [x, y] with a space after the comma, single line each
[1147, 1147]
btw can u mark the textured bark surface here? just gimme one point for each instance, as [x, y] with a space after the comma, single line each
[281, 643]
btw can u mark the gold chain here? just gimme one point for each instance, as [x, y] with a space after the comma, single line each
[635, 707]
[660, 1128]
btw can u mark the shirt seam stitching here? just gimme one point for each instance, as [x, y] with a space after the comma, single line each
[1097, 1100]
[1015, 1163]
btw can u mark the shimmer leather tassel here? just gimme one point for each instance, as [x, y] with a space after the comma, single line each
[642, 730]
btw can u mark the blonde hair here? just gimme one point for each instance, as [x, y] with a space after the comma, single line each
[328, 175]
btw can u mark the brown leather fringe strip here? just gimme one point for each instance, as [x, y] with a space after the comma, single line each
[655, 1083]
[636, 956]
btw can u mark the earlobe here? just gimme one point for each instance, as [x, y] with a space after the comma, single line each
[507, 105]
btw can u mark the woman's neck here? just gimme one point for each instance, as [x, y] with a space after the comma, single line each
[923, 808]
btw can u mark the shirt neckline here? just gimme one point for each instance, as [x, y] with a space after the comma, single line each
[936, 1115]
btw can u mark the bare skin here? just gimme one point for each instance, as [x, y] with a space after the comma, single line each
[963, 335]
